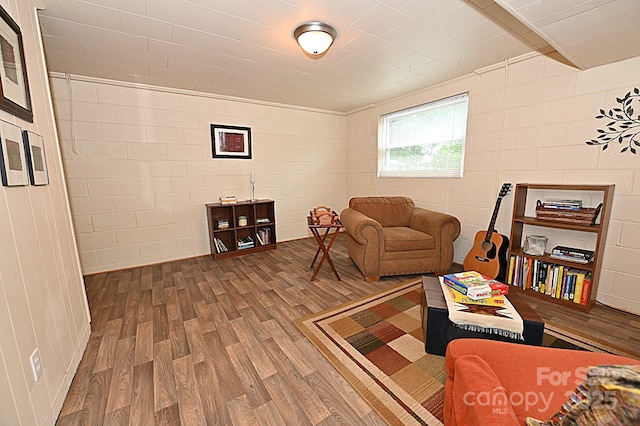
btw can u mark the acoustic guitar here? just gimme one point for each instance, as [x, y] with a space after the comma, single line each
[489, 252]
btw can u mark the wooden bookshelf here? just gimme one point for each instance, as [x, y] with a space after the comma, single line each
[522, 217]
[258, 221]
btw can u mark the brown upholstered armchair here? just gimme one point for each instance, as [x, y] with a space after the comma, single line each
[391, 236]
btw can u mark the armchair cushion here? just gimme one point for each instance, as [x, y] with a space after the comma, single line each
[402, 238]
[387, 211]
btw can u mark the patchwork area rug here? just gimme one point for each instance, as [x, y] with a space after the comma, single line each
[376, 343]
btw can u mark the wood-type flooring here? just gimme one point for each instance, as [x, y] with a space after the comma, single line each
[204, 342]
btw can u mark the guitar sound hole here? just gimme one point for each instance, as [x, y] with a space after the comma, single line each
[487, 245]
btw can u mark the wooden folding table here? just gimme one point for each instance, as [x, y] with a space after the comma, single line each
[322, 246]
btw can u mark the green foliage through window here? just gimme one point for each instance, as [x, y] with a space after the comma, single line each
[424, 141]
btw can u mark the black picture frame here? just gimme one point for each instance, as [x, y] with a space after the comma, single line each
[36, 158]
[14, 85]
[230, 141]
[13, 162]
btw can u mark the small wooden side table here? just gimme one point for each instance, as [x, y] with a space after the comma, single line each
[322, 246]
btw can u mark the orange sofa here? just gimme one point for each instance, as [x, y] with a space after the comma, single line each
[499, 383]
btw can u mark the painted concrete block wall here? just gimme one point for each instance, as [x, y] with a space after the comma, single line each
[140, 169]
[42, 299]
[528, 124]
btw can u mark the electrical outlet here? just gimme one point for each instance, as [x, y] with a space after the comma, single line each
[36, 364]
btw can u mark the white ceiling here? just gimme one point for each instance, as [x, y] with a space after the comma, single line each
[384, 48]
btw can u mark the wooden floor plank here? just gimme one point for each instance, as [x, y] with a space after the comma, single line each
[241, 412]
[252, 384]
[143, 351]
[108, 346]
[215, 410]
[214, 342]
[189, 402]
[164, 385]
[120, 389]
[142, 412]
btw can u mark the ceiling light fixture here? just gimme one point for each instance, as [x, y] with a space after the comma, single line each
[315, 37]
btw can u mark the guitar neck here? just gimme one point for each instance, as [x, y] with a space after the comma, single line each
[494, 216]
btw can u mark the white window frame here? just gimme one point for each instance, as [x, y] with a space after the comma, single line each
[454, 131]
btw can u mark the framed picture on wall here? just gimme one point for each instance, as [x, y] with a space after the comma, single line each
[36, 160]
[13, 166]
[14, 87]
[230, 141]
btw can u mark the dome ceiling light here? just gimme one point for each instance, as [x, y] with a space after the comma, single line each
[315, 37]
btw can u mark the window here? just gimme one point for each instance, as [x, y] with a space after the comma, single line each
[424, 141]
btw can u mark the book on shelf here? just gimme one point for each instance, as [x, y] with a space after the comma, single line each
[263, 236]
[577, 294]
[245, 243]
[556, 281]
[475, 285]
[220, 246]
[262, 220]
[572, 251]
[586, 286]
[229, 199]
[569, 258]
[562, 204]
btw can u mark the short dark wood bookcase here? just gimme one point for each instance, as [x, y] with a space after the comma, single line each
[522, 217]
[231, 226]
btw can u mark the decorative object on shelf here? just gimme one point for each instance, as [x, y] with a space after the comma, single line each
[578, 216]
[322, 215]
[14, 93]
[252, 181]
[223, 224]
[242, 221]
[315, 37]
[13, 166]
[36, 159]
[535, 245]
[623, 127]
[230, 141]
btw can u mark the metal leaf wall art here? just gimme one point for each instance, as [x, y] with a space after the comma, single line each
[623, 127]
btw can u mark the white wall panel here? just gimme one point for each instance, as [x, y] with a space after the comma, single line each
[549, 114]
[142, 168]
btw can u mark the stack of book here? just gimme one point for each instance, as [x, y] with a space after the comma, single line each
[572, 254]
[563, 204]
[245, 243]
[474, 288]
[229, 199]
